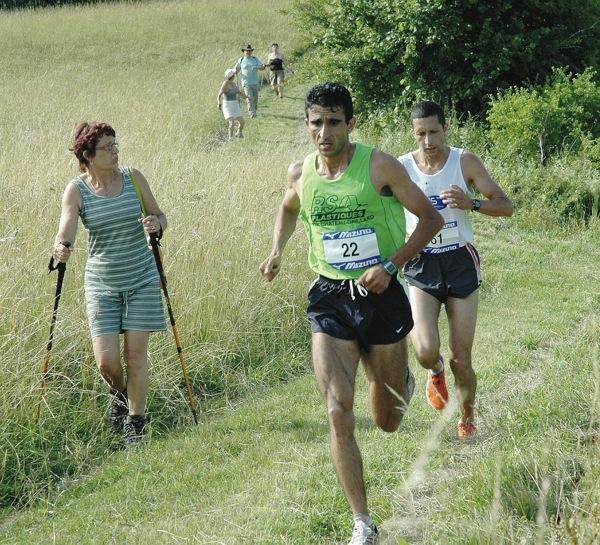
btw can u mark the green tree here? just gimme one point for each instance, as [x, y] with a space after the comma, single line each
[457, 52]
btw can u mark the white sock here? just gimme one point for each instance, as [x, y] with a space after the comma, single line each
[365, 517]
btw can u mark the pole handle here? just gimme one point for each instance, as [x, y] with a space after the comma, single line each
[59, 264]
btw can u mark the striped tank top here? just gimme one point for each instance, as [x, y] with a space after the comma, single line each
[118, 255]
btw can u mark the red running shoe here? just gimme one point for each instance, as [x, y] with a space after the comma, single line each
[436, 391]
[466, 430]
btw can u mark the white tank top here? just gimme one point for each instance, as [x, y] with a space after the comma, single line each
[457, 230]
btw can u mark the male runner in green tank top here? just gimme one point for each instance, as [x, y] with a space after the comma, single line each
[350, 198]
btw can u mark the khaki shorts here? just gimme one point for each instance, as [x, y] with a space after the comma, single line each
[276, 77]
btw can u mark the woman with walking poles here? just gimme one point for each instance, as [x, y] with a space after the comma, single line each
[122, 289]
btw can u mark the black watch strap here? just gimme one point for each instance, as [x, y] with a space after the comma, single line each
[476, 205]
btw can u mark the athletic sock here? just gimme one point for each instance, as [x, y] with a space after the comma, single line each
[364, 517]
[436, 373]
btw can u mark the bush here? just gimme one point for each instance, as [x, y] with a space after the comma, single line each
[455, 52]
[561, 116]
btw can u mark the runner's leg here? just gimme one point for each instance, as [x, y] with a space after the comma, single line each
[335, 362]
[386, 366]
[462, 317]
[425, 335]
[136, 360]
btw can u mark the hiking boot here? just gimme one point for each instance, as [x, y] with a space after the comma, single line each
[363, 534]
[436, 391]
[117, 410]
[133, 430]
[466, 430]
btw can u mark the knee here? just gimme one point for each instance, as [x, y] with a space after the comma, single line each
[108, 364]
[135, 357]
[460, 363]
[390, 422]
[341, 418]
[426, 352]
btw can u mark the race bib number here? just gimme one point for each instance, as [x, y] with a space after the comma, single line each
[348, 250]
[447, 239]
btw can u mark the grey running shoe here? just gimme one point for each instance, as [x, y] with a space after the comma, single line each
[362, 534]
[117, 410]
[133, 430]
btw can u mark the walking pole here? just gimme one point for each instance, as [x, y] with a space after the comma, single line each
[61, 267]
[163, 282]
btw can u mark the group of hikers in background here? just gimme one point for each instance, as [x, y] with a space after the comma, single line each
[248, 66]
[373, 222]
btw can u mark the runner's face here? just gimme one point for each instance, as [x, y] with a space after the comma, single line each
[429, 134]
[328, 129]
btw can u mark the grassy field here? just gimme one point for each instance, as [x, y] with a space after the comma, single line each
[257, 469]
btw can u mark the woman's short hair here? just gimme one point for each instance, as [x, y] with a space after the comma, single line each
[85, 139]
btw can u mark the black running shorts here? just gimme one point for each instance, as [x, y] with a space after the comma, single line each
[339, 310]
[455, 273]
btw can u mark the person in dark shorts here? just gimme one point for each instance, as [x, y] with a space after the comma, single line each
[275, 62]
[447, 271]
[351, 199]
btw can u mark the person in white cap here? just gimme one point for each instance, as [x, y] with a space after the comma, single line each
[227, 101]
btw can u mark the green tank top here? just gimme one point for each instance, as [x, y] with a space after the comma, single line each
[350, 227]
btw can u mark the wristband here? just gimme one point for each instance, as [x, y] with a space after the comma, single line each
[389, 266]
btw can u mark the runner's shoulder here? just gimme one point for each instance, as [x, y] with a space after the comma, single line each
[295, 171]
[385, 168]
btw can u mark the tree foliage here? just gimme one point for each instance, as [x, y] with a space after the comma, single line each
[560, 116]
[457, 52]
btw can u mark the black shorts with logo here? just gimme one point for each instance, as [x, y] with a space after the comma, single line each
[339, 310]
[455, 273]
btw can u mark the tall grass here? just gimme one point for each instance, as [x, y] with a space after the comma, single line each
[152, 70]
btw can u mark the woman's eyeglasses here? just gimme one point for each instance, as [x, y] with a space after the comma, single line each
[109, 147]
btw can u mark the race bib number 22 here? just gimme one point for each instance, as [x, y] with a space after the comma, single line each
[348, 250]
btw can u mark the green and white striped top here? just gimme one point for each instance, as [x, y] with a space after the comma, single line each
[118, 255]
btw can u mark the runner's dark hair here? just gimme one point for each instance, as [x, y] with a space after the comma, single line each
[427, 108]
[330, 95]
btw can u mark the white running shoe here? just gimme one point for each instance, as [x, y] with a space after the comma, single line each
[362, 534]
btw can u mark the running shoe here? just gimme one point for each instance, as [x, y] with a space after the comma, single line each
[466, 430]
[363, 534]
[117, 410]
[436, 391]
[133, 430]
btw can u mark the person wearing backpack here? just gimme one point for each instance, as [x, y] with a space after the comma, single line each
[249, 65]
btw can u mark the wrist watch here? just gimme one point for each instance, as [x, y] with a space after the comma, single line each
[389, 266]
[476, 205]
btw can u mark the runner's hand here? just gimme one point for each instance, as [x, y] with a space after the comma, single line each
[375, 279]
[270, 267]
[455, 197]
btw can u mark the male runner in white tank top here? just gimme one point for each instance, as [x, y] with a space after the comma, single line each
[447, 270]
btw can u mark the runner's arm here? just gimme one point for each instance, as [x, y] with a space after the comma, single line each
[285, 223]
[387, 172]
[69, 219]
[476, 175]
[394, 175]
[155, 214]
